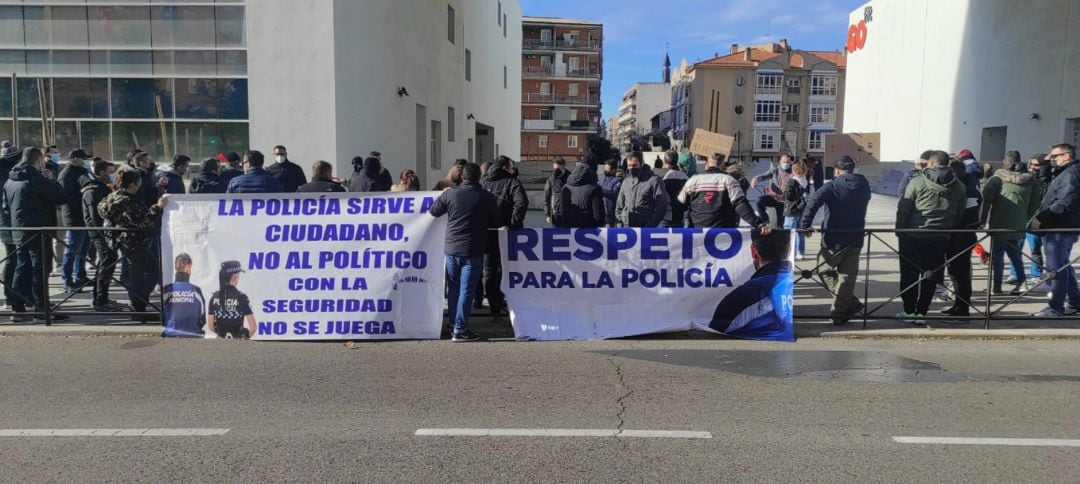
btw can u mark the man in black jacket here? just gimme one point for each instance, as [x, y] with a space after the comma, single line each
[72, 178]
[1060, 209]
[288, 173]
[553, 210]
[470, 212]
[512, 203]
[232, 167]
[583, 199]
[31, 196]
[845, 199]
[9, 156]
[322, 180]
[95, 190]
[208, 180]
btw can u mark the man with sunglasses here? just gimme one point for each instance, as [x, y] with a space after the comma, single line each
[1061, 210]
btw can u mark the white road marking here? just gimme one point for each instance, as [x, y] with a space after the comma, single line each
[481, 432]
[111, 432]
[989, 441]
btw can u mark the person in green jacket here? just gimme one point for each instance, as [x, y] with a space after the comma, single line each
[934, 200]
[1010, 199]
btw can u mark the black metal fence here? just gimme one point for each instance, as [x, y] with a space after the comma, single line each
[121, 244]
[982, 307]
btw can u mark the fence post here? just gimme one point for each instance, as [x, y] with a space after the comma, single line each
[989, 284]
[866, 280]
[45, 266]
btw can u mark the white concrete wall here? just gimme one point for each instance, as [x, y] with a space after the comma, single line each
[363, 52]
[934, 73]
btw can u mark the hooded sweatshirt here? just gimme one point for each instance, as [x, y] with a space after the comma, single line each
[582, 199]
[553, 193]
[510, 197]
[368, 178]
[1010, 199]
[935, 200]
[31, 198]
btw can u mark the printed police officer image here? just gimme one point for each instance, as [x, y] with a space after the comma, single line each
[230, 308]
[184, 303]
[761, 308]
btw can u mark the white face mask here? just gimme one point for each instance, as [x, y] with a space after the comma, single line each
[280, 158]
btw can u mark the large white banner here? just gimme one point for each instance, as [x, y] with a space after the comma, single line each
[586, 284]
[304, 266]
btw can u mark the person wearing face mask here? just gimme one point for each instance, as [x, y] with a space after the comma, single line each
[72, 179]
[1060, 209]
[643, 200]
[174, 179]
[1034, 241]
[9, 156]
[610, 186]
[123, 209]
[94, 190]
[290, 174]
[32, 197]
[512, 203]
[774, 192]
[761, 308]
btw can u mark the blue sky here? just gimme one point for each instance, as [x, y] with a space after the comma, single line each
[635, 31]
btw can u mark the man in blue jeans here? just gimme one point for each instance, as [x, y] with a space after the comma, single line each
[1061, 210]
[470, 211]
[71, 179]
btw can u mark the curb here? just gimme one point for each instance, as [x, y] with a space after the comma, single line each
[125, 331]
[958, 334]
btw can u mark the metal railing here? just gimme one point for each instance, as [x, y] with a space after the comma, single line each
[982, 307]
[119, 254]
[561, 44]
[541, 98]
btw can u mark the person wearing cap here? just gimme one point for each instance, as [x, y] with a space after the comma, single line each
[934, 201]
[174, 178]
[367, 176]
[288, 173]
[255, 179]
[184, 303]
[124, 210]
[230, 308]
[231, 167]
[209, 180]
[920, 165]
[72, 179]
[845, 200]
[32, 197]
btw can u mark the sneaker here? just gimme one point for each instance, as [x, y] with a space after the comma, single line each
[954, 311]
[1018, 289]
[55, 317]
[942, 294]
[1011, 280]
[1049, 313]
[910, 318]
[22, 318]
[70, 289]
[109, 307]
[466, 337]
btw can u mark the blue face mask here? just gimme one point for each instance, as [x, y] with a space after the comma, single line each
[785, 166]
[635, 172]
[55, 157]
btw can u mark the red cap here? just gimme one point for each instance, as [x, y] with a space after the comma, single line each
[964, 154]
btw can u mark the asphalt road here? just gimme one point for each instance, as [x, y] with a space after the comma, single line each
[821, 410]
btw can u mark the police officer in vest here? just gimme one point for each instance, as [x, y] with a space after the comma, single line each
[230, 308]
[184, 303]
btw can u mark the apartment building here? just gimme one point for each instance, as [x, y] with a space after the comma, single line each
[773, 99]
[561, 69]
[639, 104]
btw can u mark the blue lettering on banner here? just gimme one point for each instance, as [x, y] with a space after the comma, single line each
[615, 243]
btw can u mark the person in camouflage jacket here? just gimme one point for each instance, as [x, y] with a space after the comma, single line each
[121, 209]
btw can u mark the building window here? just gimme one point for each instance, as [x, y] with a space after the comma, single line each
[468, 65]
[815, 139]
[822, 114]
[823, 85]
[767, 112]
[794, 86]
[769, 82]
[571, 141]
[766, 139]
[498, 17]
[506, 83]
[504, 25]
[541, 141]
[545, 113]
[450, 24]
[572, 89]
[451, 122]
[792, 111]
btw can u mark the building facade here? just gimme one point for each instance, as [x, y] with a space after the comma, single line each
[640, 104]
[561, 69]
[773, 99]
[165, 77]
[423, 89]
[987, 75]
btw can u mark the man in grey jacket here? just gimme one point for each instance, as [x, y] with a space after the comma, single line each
[643, 201]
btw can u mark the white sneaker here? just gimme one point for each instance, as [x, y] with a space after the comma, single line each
[1049, 313]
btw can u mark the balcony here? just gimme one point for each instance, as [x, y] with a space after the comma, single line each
[528, 72]
[583, 72]
[548, 99]
[557, 125]
[559, 71]
[561, 44]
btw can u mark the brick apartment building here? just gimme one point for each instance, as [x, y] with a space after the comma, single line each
[561, 69]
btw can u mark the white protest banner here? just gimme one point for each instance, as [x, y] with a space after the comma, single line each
[585, 284]
[304, 266]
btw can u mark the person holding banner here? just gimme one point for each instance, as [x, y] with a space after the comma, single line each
[470, 211]
[761, 308]
[846, 199]
[230, 308]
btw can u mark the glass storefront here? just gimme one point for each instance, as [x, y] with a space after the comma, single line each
[167, 77]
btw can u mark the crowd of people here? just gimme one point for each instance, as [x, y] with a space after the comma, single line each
[126, 200]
